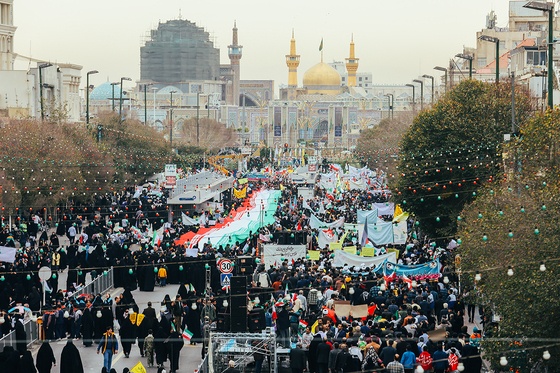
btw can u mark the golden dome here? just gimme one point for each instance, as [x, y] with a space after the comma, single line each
[322, 79]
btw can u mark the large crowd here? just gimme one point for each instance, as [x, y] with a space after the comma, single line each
[299, 298]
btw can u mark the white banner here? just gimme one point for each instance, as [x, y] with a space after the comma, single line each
[7, 254]
[326, 238]
[342, 258]
[315, 223]
[273, 254]
[193, 253]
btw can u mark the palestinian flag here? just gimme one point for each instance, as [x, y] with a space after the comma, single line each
[187, 335]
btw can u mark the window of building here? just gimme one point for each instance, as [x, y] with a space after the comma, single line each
[502, 45]
[343, 78]
[360, 78]
[366, 77]
[536, 58]
[360, 85]
[482, 62]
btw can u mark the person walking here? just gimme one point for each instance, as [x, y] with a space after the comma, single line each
[45, 358]
[108, 346]
[149, 347]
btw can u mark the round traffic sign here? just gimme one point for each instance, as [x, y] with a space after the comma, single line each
[225, 266]
[45, 273]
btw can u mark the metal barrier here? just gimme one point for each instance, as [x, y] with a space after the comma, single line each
[31, 335]
[102, 283]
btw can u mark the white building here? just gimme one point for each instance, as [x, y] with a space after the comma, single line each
[363, 79]
[20, 96]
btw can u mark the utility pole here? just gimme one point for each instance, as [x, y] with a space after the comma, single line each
[512, 103]
[171, 121]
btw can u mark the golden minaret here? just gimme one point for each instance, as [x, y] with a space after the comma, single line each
[292, 60]
[352, 65]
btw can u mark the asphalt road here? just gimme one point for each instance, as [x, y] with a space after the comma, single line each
[189, 358]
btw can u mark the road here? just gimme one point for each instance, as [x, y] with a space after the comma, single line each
[189, 358]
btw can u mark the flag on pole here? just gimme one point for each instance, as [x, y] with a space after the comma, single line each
[187, 335]
[138, 368]
[365, 234]
[302, 324]
[321, 46]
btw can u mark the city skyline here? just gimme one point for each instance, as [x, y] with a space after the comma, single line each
[397, 42]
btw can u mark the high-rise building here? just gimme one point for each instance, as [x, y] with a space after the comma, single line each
[179, 51]
[7, 30]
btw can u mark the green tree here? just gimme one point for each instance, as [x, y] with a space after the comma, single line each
[515, 222]
[452, 149]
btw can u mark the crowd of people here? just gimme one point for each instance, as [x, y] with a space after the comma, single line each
[114, 231]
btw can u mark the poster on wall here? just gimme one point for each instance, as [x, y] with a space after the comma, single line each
[170, 175]
[273, 254]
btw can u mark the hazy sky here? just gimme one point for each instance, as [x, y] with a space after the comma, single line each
[395, 40]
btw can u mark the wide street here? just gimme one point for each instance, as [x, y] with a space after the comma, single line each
[190, 355]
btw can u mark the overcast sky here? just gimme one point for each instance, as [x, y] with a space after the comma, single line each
[395, 40]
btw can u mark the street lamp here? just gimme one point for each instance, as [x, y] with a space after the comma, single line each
[87, 93]
[497, 41]
[413, 92]
[468, 58]
[171, 121]
[545, 7]
[390, 111]
[120, 102]
[439, 68]
[146, 103]
[430, 77]
[113, 95]
[421, 93]
[41, 87]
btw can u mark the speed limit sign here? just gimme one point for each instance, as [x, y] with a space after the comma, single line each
[225, 266]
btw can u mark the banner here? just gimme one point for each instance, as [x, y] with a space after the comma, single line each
[371, 216]
[314, 254]
[7, 254]
[326, 238]
[273, 254]
[429, 268]
[384, 208]
[342, 258]
[193, 253]
[170, 175]
[380, 233]
[315, 223]
[240, 193]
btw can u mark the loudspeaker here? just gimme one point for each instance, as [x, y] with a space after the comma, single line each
[257, 320]
[223, 322]
[238, 301]
[238, 285]
[239, 319]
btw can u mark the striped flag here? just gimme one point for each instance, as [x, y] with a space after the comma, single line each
[302, 324]
[321, 46]
[187, 335]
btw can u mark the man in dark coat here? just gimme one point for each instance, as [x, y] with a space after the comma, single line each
[45, 358]
[297, 359]
[323, 351]
[70, 359]
[313, 353]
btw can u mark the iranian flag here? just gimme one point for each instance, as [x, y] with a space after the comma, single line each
[187, 335]
[302, 324]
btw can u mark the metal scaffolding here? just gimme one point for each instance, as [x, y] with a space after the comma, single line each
[240, 347]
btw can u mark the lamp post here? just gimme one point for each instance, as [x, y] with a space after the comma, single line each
[87, 93]
[120, 101]
[171, 120]
[113, 95]
[421, 93]
[439, 68]
[413, 92]
[146, 103]
[390, 111]
[468, 58]
[430, 77]
[546, 7]
[497, 41]
[41, 87]
[154, 89]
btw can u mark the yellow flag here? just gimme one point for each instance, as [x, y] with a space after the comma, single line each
[281, 187]
[314, 326]
[138, 368]
[314, 254]
[398, 210]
